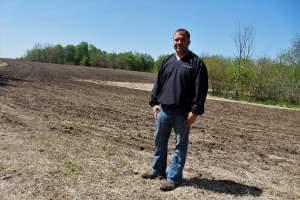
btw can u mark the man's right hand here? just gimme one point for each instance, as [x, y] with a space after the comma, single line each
[155, 110]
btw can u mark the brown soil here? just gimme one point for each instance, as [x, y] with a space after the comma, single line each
[64, 138]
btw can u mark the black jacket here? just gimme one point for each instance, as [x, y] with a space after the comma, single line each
[181, 83]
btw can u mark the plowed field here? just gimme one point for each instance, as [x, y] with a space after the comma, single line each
[68, 132]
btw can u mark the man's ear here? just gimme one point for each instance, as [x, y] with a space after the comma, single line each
[189, 42]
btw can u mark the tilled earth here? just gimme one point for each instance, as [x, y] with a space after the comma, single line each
[65, 138]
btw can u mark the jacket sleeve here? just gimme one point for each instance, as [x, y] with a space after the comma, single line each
[157, 86]
[201, 87]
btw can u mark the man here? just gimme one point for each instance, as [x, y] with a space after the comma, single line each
[177, 98]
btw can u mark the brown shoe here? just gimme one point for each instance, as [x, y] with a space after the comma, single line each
[167, 186]
[150, 175]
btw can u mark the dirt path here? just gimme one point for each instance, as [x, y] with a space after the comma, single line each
[148, 87]
[3, 64]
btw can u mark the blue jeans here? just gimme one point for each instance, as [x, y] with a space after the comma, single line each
[167, 119]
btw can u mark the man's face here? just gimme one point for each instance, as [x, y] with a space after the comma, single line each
[181, 42]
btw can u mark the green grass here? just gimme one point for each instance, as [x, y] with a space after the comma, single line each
[109, 151]
[121, 163]
[71, 167]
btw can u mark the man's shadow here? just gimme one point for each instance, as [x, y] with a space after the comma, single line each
[223, 186]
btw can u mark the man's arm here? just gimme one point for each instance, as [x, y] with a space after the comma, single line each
[156, 90]
[158, 85]
[154, 94]
[201, 87]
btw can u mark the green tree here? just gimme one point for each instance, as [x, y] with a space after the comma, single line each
[36, 53]
[244, 42]
[59, 53]
[157, 64]
[50, 55]
[290, 61]
[113, 60]
[82, 54]
[147, 62]
[69, 54]
[220, 74]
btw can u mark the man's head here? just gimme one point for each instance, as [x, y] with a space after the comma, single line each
[181, 41]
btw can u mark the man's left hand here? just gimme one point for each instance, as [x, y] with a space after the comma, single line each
[191, 118]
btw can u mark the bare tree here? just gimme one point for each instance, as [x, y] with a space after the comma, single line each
[244, 42]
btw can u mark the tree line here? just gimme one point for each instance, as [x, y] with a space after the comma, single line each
[262, 79]
[88, 55]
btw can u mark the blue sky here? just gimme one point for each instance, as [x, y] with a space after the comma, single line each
[146, 26]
